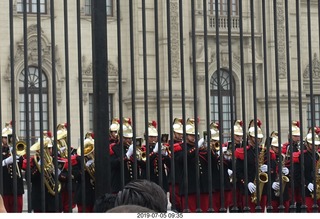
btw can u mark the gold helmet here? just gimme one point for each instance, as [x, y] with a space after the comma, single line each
[295, 128]
[238, 128]
[190, 129]
[251, 132]
[214, 129]
[316, 138]
[178, 125]
[127, 128]
[275, 141]
[89, 135]
[115, 125]
[152, 129]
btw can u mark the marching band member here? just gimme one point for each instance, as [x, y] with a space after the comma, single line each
[62, 145]
[216, 168]
[114, 131]
[178, 141]
[237, 138]
[276, 193]
[49, 179]
[89, 177]
[251, 164]
[7, 169]
[116, 158]
[309, 169]
[155, 148]
[295, 130]
[191, 189]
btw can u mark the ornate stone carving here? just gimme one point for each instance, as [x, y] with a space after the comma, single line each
[315, 68]
[175, 47]
[281, 40]
[32, 57]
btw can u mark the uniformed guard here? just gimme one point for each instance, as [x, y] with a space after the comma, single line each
[116, 158]
[156, 147]
[49, 178]
[114, 131]
[275, 177]
[8, 174]
[177, 137]
[309, 170]
[252, 168]
[89, 177]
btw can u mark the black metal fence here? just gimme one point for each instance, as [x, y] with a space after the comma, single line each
[230, 60]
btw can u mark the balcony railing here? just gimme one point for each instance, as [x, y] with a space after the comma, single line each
[223, 23]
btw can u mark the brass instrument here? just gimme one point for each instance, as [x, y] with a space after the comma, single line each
[49, 169]
[140, 154]
[21, 150]
[62, 144]
[317, 181]
[88, 153]
[285, 179]
[215, 146]
[263, 177]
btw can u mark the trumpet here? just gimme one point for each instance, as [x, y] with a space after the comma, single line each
[140, 154]
[215, 146]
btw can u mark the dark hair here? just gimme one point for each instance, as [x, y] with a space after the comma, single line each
[144, 193]
[104, 203]
[129, 209]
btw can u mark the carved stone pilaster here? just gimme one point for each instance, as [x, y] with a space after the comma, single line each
[175, 47]
[281, 40]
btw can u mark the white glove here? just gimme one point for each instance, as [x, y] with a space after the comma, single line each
[200, 142]
[62, 149]
[319, 171]
[276, 185]
[310, 187]
[251, 187]
[224, 149]
[89, 162]
[264, 168]
[156, 148]
[230, 172]
[9, 160]
[130, 151]
[285, 170]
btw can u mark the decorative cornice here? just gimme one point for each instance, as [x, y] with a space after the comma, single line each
[281, 40]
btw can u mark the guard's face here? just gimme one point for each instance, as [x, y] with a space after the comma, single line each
[177, 136]
[191, 139]
[295, 138]
[152, 140]
[252, 141]
[127, 141]
[237, 139]
[114, 134]
[4, 140]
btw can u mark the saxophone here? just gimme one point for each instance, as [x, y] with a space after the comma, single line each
[263, 177]
[317, 179]
[285, 179]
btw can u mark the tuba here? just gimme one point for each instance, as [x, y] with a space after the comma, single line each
[49, 169]
[263, 178]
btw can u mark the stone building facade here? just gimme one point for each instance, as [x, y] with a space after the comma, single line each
[242, 66]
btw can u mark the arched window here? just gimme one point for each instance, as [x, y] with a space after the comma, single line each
[34, 103]
[225, 82]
